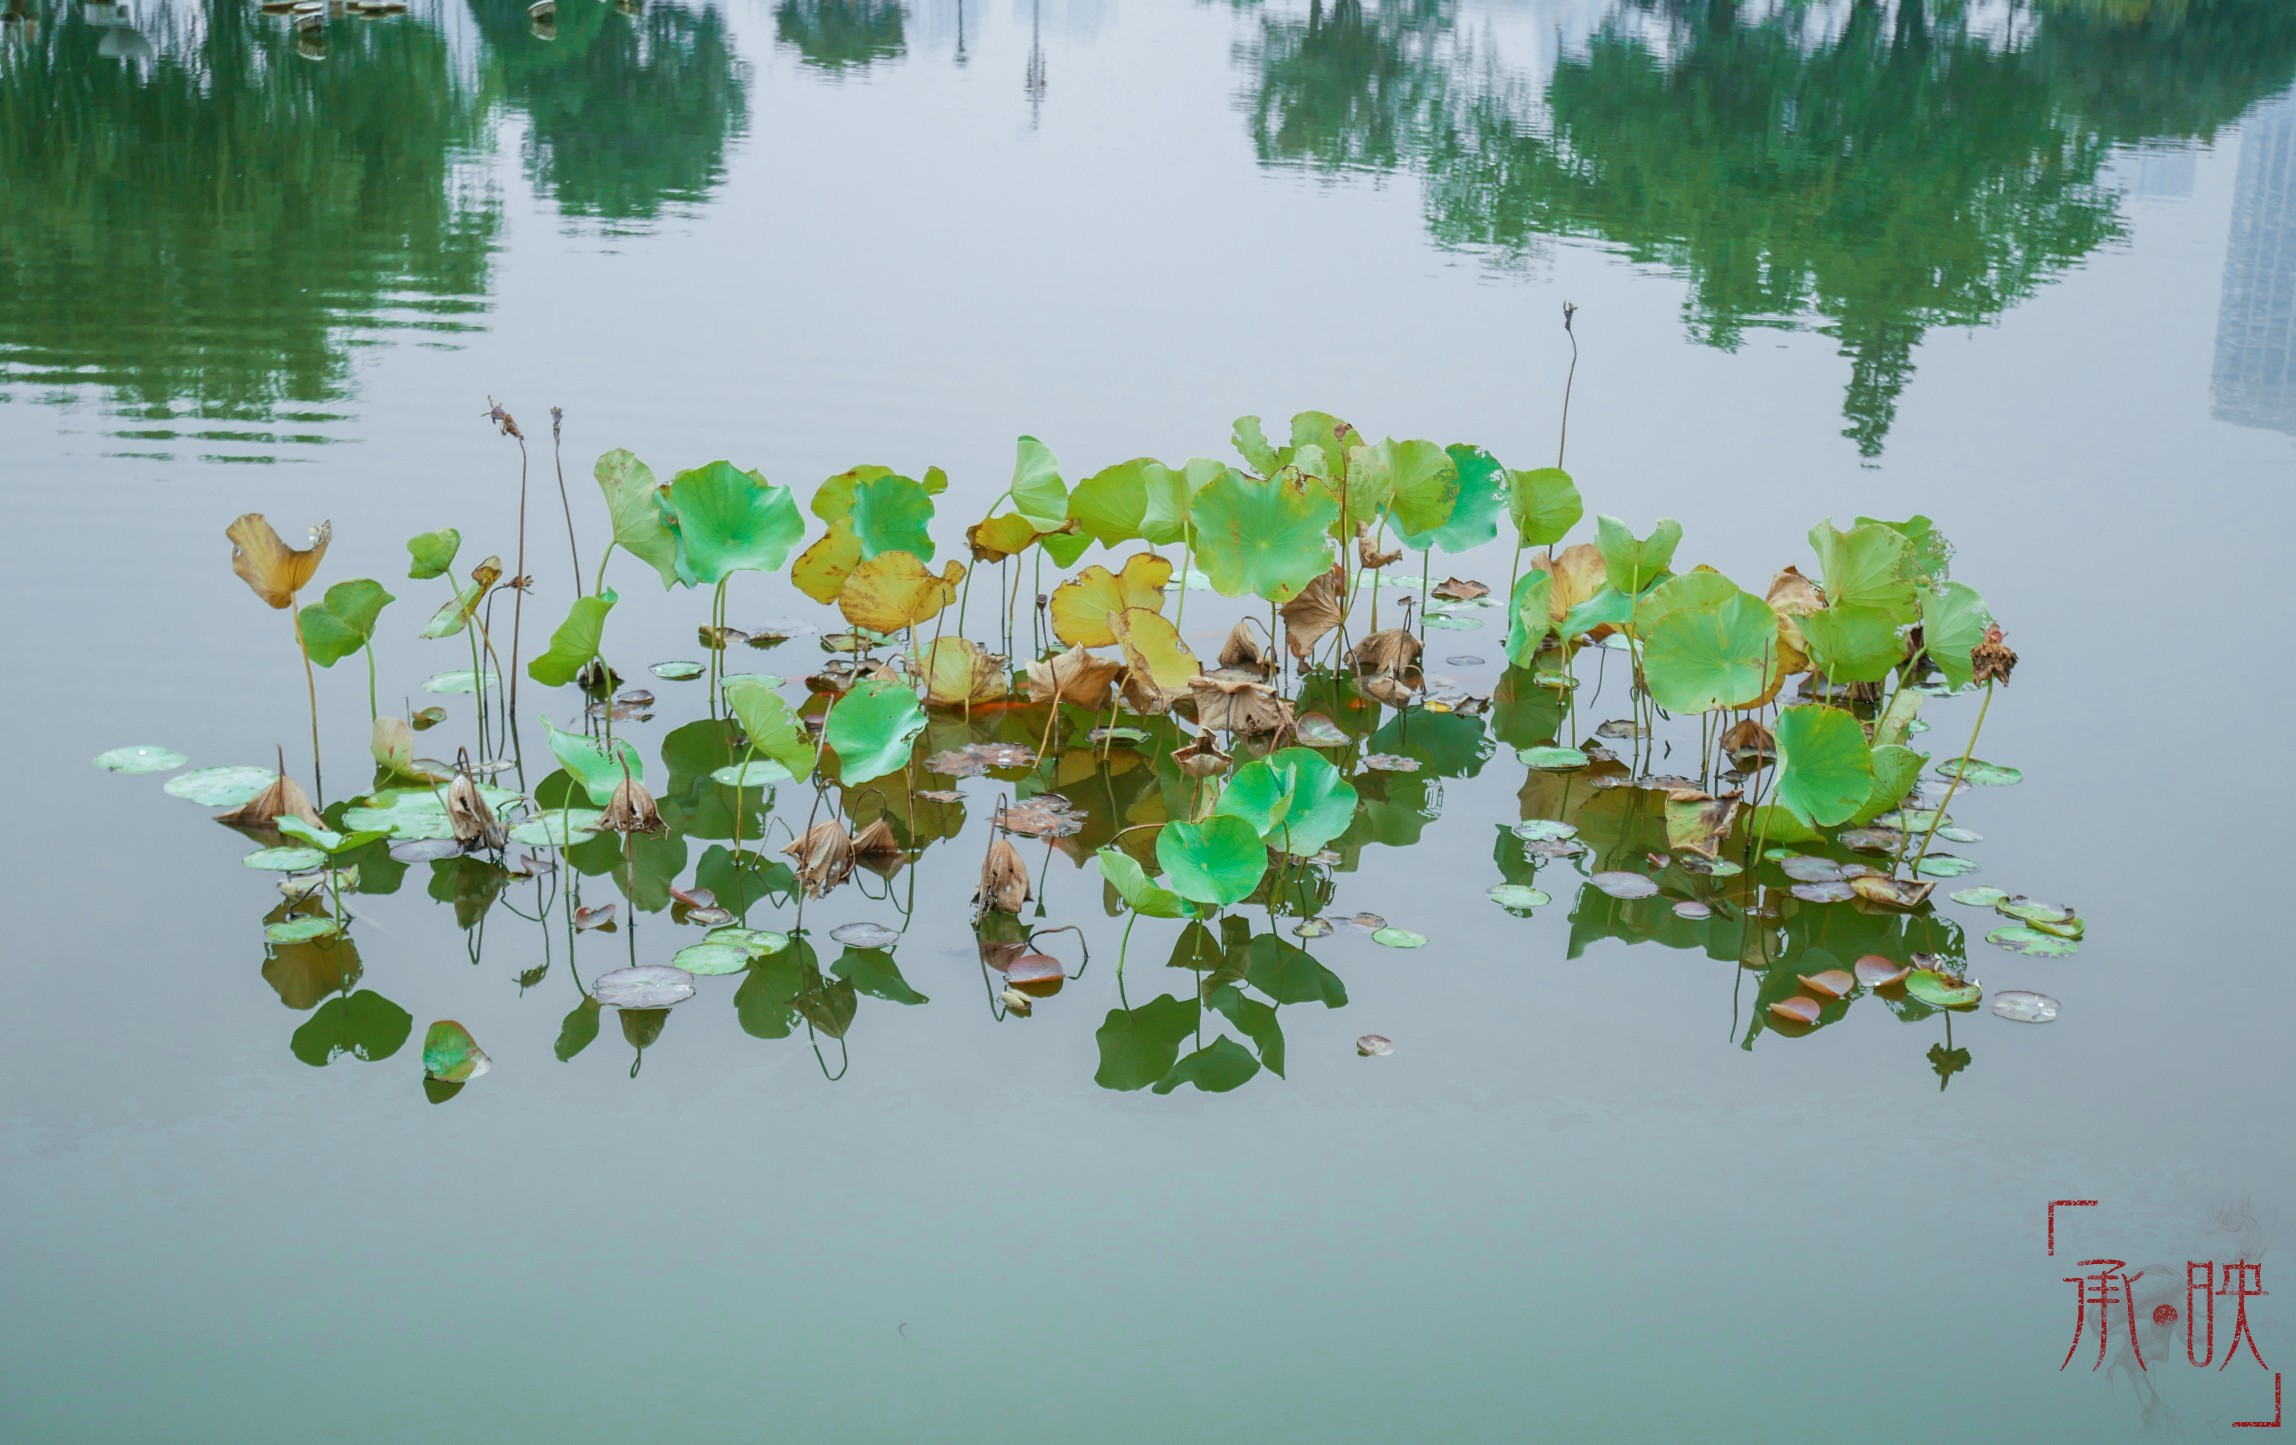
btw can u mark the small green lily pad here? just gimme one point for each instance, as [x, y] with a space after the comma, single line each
[1453, 622]
[678, 671]
[2032, 942]
[1519, 897]
[1317, 731]
[711, 960]
[757, 942]
[1551, 759]
[142, 758]
[1399, 938]
[447, 684]
[219, 787]
[1942, 990]
[1960, 835]
[559, 828]
[1945, 865]
[1311, 928]
[1980, 772]
[2032, 910]
[298, 930]
[284, 860]
[1620, 884]
[1978, 897]
[756, 773]
[1534, 829]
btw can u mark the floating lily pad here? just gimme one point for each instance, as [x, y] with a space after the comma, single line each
[1797, 1010]
[1398, 938]
[1317, 731]
[2020, 1006]
[2032, 910]
[1708, 867]
[1985, 774]
[1368, 922]
[649, 985]
[1625, 885]
[974, 759]
[702, 960]
[447, 684]
[865, 935]
[1519, 897]
[1452, 621]
[1693, 911]
[1311, 928]
[1551, 759]
[142, 758]
[1871, 840]
[1960, 835]
[284, 860]
[1621, 729]
[559, 828]
[451, 1055]
[1374, 1046]
[427, 850]
[756, 773]
[1118, 735]
[1943, 990]
[1945, 865]
[1533, 828]
[680, 671]
[1464, 659]
[1824, 890]
[2032, 942]
[1874, 971]
[1538, 848]
[299, 930]
[1978, 897]
[219, 787]
[757, 942]
[1803, 868]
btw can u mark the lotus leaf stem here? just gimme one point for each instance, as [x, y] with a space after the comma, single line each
[1959, 772]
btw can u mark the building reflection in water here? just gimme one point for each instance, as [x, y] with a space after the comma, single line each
[2255, 380]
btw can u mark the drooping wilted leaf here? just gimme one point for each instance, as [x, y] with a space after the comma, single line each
[575, 642]
[640, 512]
[271, 568]
[894, 590]
[1081, 608]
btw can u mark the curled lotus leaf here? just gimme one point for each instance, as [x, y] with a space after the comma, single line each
[1875, 971]
[1218, 861]
[271, 568]
[1083, 608]
[589, 762]
[1530, 619]
[1891, 892]
[993, 539]
[1141, 893]
[1631, 564]
[1155, 653]
[1268, 538]
[1944, 990]
[873, 729]
[644, 525]
[431, 553]
[894, 590]
[145, 758]
[960, 672]
[341, 623]
[1579, 577]
[771, 725]
[1139, 500]
[575, 642]
[731, 521]
[2033, 910]
[1074, 676]
[1417, 482]
[820, 571]
[1953, 623]
[1800, 1009]
[1474, 517]
[451, 1055]
[646, 986]
[1829, 983]
[1294, 799]
[1037, 491]
[1544, 505]
[1868, 567]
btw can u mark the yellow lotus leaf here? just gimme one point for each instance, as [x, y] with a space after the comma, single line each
[1006, 535]
[1083, 606]
[821, 571]
[1075, 676]
[275, 570]
[1155, 651]
[959, 671]
[1579, 574]
[893, 590]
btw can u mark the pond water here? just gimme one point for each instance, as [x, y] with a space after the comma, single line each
[2026, 269]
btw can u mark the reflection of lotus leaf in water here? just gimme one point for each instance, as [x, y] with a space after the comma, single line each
[451, 1055]
[646, 986]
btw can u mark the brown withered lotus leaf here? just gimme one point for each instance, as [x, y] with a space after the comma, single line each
[974, 759]
[1748, 744]
[273, 569]
[1075, 676]
[1793, 596]
[285, 798]
[1238, 705]
[1141, 695]
[474, 823]
[876, 842]
[1319, 607]
[1047, 815]
[1379, 687]
[1390, 653]
[1991, 660]
[940, 795]
[1578, 572]
[1697, 822]
[1243, 649]
[824, 856]
[1004, 880]
[631, 810]
[1202, 758]
[1892, 892]
[1460, 589]
[1367, 552]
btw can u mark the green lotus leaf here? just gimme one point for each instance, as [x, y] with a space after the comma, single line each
[731, 521]
[1218, 861]
[1940, 990]
[1854, 644]
[834, 498]
[461, 680]
[1980, 772]
[873, 972]
[641, 514]
[431, 553]
[1263, 537]
[1216, 1068]
[1928, 554]
[145, 758]
[1138, 1046]
[1257, 1020]
[578, 1030]
[454, 615]
[1474, 516]
[1141, 894]
[1633, 564]
[873, 729]
[1707, 651]
[327, 840]
[1868, 566]
[1392, 937]
[709, 959]
[1331, 440]
[756, 773]
[559, 828]
[1416, 481]
[451, 1055]
[1294, 800]
[1609, 607]
[1825, 767]
[1775, 825]
[340, 624]
[1111, 505]
[2032, 942]
[1518, 897]
[1065, 547]
[1037, 491]
[1896, 769]
[1551, 759]
[1945, 865]
[365, 1026]
[1953, 622]
[1253, 445]
[284, 860]
[1529, 623]
[299, 929]
[1544, 504]
[599, 772]
[771, 725]
[893, 514]
[575, 642]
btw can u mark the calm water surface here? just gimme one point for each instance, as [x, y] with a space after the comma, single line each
[2028, 269]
